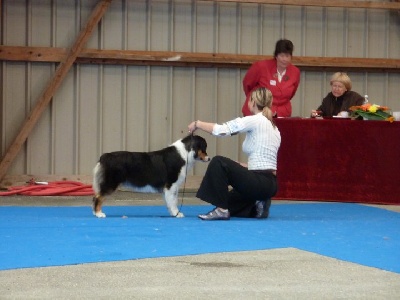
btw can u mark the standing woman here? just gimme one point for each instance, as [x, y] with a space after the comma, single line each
[253, 184]
[278, 75]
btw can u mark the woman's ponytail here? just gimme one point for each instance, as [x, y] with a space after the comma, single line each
[263, 98]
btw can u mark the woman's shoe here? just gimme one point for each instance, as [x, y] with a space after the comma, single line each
[262, 208]
[216, 214]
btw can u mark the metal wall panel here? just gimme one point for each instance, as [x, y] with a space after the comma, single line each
[183, 27]
[393, 47]
[205, 104]
[206, 27]
[335, 32]
[88, 117]
[141, 108]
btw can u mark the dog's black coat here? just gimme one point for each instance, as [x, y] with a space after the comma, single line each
[161, 171]
[158, 169]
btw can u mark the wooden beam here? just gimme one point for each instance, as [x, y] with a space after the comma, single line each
[225, 60]
[189, 59]
[53, 85]
[323, 3]
[38, 54]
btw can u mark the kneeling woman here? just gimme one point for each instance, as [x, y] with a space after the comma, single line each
[253, 184]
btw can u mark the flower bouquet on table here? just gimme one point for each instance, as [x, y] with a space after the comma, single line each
[371, 112]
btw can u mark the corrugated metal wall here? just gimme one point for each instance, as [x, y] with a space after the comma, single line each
[140, 108]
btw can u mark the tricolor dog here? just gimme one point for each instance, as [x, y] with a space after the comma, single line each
[161, 171]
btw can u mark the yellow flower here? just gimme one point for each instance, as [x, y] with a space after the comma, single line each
[373, 108]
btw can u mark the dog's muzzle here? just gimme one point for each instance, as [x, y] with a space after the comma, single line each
[206, 158]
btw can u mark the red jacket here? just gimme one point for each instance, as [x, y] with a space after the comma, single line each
[264, 74]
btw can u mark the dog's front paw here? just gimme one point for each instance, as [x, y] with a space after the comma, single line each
[99, 214]
[180, 215]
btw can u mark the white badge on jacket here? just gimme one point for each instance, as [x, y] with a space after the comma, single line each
[272, 82]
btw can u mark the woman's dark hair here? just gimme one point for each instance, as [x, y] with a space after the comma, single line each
[283, 46]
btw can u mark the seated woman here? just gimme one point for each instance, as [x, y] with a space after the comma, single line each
[340, 99]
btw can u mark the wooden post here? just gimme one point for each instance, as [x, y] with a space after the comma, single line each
[53, 85]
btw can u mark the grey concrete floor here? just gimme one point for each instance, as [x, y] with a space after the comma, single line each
[287, 273]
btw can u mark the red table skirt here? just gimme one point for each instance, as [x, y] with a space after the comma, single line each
[339, 160]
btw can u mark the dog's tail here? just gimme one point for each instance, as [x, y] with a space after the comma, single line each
[98, 175]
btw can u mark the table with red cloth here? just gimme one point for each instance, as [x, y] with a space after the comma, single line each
[339, 160]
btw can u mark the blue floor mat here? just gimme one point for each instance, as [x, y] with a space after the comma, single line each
[56, 236]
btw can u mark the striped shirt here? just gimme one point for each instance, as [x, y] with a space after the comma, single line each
[261, 143]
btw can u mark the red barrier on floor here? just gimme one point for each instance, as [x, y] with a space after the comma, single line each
[55, 188]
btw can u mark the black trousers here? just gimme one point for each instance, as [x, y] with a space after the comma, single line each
[247, 186]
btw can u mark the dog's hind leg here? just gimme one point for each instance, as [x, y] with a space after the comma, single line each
[97, 203]
[171, 200]
[98, 198]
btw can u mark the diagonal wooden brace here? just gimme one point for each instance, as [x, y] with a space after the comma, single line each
[53, 85]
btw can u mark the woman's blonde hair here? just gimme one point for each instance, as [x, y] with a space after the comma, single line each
[263, 99]
[342, 78]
